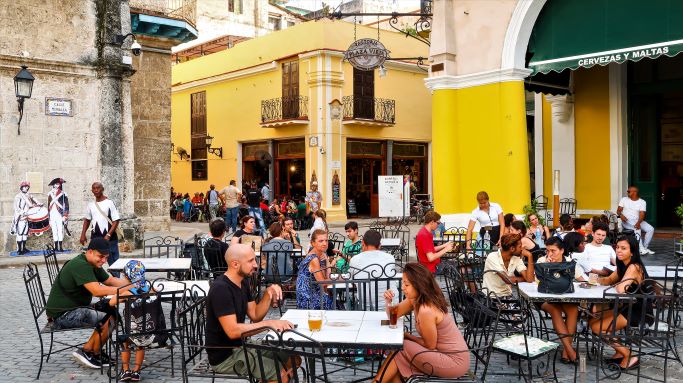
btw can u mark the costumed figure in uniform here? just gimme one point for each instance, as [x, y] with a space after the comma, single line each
[23, 203]
[58, 205]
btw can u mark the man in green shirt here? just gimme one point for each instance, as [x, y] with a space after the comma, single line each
[68, 305]
[351, 247]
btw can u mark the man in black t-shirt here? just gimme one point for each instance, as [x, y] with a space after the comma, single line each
[254, 202]
[229, 302]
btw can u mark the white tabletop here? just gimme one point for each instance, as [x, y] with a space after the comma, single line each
[355, 328]
[390, 242]
[156, 264]
[658, 272]
[593, 294]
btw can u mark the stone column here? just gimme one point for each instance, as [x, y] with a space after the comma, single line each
[563, 142]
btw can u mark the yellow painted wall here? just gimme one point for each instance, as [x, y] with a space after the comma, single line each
[591, 108]
[480, 143]
[233, 106]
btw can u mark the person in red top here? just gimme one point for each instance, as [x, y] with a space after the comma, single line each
[428, 254]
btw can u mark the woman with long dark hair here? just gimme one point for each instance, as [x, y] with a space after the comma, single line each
[629, 274]
[440, 349]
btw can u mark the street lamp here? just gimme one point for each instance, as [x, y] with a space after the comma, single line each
[23, 87]
[216, 151]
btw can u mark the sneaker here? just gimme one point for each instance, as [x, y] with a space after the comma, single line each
[650, 251]
[125, 376]
[135, 376]
[643, 251]
[87, 358]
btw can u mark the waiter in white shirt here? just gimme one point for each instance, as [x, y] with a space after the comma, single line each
[631, 210]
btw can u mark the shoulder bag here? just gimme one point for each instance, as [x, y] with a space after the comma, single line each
[119, 231]
[555, 277]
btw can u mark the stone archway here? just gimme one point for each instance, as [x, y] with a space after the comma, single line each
[518, 33]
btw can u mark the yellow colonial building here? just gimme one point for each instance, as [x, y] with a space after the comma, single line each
[286, 109]
[590, 88]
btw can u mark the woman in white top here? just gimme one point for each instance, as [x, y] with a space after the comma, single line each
[490, 216]
[564, 327]
[320, 222]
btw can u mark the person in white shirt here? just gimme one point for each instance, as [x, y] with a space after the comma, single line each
[374, 263]
[490, 216]
[500, 266]
[596, 256]
[632, 210]
[104, 216]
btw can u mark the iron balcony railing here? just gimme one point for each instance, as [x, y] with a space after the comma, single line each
[369, 108]
[284, 108]
[185, 10]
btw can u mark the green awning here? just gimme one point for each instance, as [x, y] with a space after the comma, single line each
[584, 33]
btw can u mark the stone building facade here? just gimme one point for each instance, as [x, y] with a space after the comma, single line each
[70, 50]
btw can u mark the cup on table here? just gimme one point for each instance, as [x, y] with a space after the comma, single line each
[315, 320]
[593, 278]
[393, 316]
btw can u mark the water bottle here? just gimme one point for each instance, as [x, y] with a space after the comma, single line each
[539, 237]
[487, 240]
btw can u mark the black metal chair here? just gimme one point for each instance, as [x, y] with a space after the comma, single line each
[540, 202]
[36, 297]
[208, 260]
[479, 339]
[278, 264]
[163, 247]
[293, 346]
[143, 323]
[649, 310]
[192, 323]
[568, 206]
[51, 263]
[403, 233]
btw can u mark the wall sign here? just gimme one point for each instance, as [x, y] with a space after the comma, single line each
[366, 54]
[336, 189]
[58, 107]
[313, 141]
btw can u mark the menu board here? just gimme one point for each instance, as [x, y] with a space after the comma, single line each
[351, 206]
[391, 196]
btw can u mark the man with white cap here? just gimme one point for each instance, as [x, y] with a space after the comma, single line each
[314, 199]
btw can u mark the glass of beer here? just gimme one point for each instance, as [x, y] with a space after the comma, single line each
[393, 316]
[315, 320]
[593, 278]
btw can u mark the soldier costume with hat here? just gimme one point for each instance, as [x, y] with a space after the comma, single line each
[58, 206]
[23, 201]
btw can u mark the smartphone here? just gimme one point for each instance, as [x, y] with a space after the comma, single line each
[585, 285]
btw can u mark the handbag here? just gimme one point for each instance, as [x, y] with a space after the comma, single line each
[119, 231]
[555, 277]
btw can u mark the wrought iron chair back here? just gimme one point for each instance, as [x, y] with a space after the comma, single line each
[650, 310]
[293, 345]
[363, 289]
[209, 258]
[191, 320]
[402, 233]
[279, 262]
[335, 241]
[160, 247]
[541, 202]
[568, 206]
[51, 263]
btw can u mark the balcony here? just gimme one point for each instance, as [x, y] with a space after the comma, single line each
[369, 111]
[173, 19]
[284, 111]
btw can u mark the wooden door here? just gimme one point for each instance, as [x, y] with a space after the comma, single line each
[363, 94]
[290, 90]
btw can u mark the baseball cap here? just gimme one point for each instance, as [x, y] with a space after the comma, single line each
[100, 245]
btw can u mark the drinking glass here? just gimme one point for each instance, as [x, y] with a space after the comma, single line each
[315, 320]
[393, 316]
[593, 278]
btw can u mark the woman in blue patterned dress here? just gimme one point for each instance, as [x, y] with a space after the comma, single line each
[312, 268]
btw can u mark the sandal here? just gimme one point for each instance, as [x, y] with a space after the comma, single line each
[631, 366]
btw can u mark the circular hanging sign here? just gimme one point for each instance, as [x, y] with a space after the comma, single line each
[366, 54]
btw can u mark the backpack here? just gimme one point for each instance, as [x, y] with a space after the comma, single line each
[147, 316]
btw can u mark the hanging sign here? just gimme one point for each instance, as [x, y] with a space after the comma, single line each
[336, 189]
[366, 54]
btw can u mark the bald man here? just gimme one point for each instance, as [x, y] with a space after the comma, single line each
[228, 304]
[104, 216]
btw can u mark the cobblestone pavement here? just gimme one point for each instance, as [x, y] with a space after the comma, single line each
[19, 348]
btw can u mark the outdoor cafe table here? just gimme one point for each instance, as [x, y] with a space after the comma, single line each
[156, 264]
[529, 290]
[390, 242]
[350, 329]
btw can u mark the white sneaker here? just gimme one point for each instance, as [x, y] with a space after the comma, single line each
[649, 251]
[644, 251]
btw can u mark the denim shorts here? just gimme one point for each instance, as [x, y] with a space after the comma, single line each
[79, 317]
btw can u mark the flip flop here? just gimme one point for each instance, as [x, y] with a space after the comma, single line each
[631, 366]
[565, 361]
